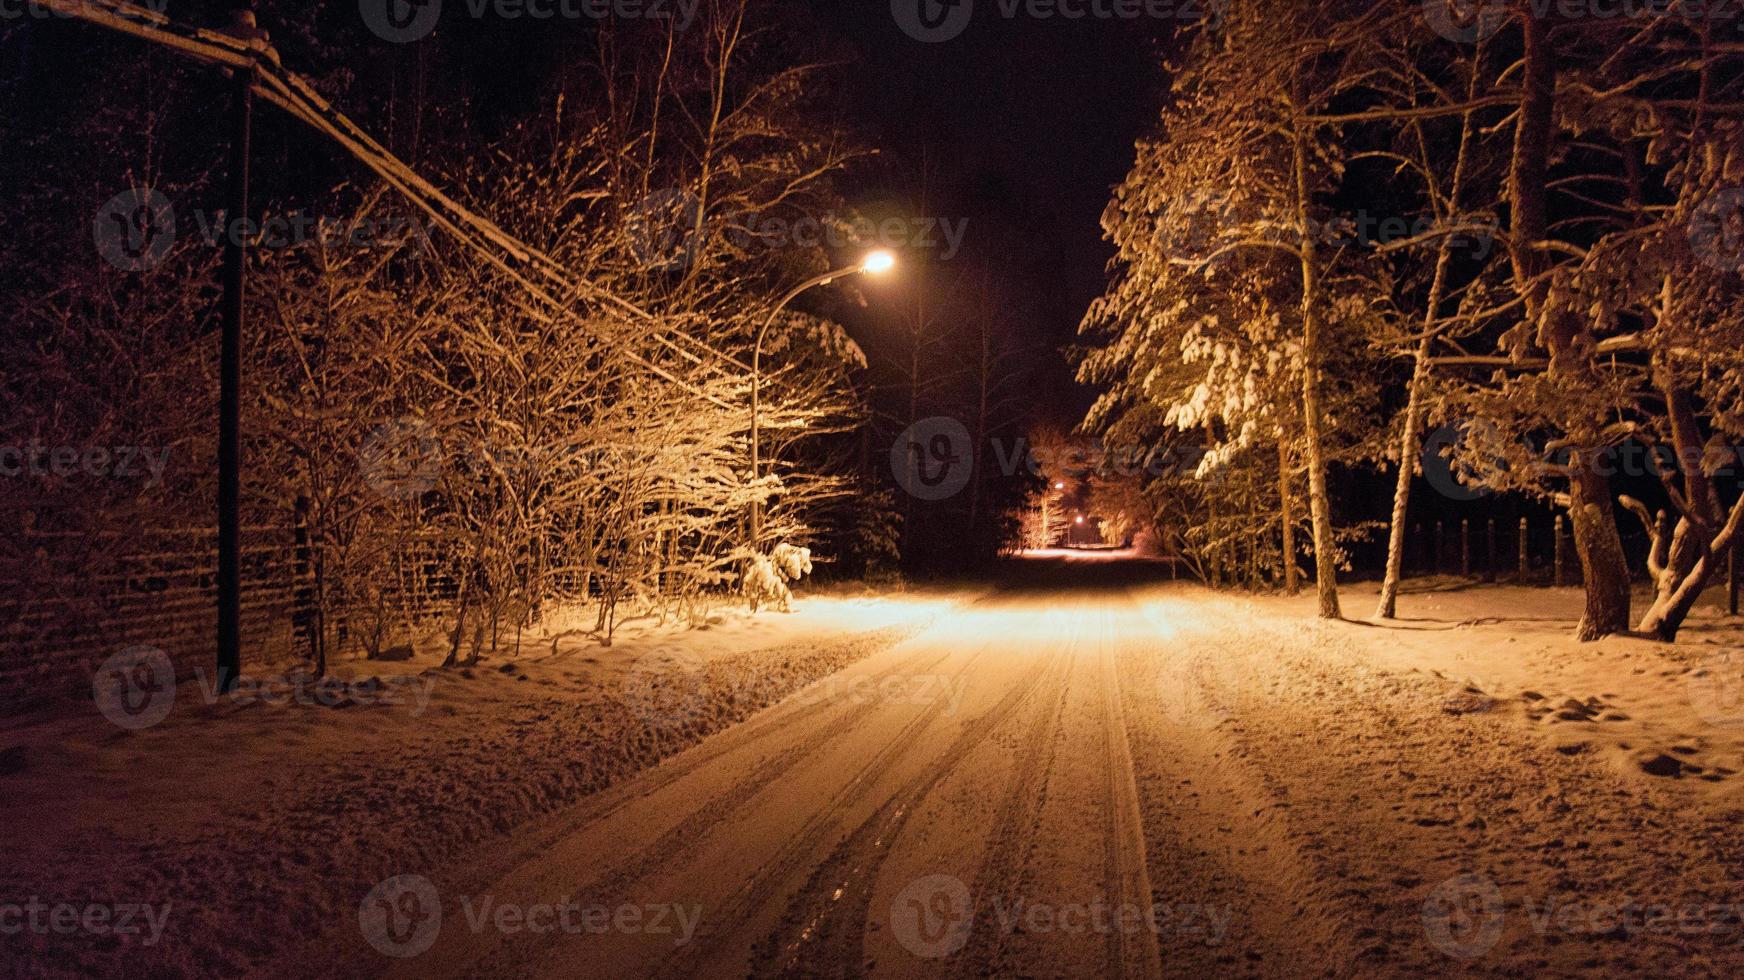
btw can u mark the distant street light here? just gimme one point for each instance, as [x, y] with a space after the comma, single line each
[875, 263]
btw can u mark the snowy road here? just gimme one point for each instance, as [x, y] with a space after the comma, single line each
[1089, 774]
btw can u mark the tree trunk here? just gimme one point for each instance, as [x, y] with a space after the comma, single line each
[1409, 440]
[1603, 563]
[1319, 504]
[1688, 563]
[1591, 509]
[1287, 504]
[1408, 452]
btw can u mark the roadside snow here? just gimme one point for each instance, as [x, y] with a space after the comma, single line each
[242, 822]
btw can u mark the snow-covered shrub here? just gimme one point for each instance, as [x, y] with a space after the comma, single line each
[793, 563]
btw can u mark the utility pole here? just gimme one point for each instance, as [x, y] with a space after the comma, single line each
[242, 26]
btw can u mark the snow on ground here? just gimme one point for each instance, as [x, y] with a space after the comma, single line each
[1647, 710]
[1466, 791]
[241, 815]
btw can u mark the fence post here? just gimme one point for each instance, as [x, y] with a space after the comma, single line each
[1490, 536]
[1437, 549]
[1465, 549]
[1525, 553]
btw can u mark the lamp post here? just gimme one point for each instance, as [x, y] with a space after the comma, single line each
[876, 263]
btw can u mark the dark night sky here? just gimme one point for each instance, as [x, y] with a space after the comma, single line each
[1025, 125]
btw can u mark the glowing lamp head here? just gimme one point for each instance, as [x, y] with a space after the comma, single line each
[878, 263]
[1059, 486]
[1079, 519]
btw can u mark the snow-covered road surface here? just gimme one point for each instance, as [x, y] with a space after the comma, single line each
[1090, 774]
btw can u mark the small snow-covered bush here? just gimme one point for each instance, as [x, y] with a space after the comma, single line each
[763, 581]
[794, 563]
[767, 576]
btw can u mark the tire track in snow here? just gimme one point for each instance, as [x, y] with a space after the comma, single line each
[824, 930]
[865, 845]
[612, 885]
[1131, 954]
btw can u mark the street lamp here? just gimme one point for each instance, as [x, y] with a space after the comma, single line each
[875, 263]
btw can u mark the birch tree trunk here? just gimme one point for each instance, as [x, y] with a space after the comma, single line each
[1287, 505]
[1319, 504]
[1409, 439]
[1408, 451]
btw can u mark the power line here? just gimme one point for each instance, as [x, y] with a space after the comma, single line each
[295, 96]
